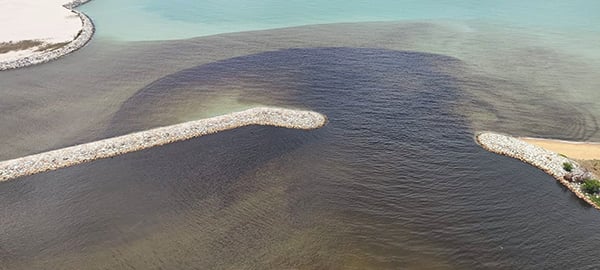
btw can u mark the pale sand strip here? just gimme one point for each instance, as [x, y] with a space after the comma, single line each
[33, 57]
[576, 150]
[111, 147]
[548, 161]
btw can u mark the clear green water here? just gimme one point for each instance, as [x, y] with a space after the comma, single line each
[161, 20]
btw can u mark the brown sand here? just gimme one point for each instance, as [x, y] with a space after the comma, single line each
[587, 154]
[575, 150]
[592, 165]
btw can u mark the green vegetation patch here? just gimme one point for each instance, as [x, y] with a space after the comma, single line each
[568, 166]
[595, 199]
[591, 186]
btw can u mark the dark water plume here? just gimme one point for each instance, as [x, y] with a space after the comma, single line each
[394, 180]
[527, 86]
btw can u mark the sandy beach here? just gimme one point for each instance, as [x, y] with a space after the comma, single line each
[543, 158]
[576, 150]
[35, 32]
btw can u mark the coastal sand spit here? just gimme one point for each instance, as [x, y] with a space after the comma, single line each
[576, 150]
[35, 32]
[550, 162]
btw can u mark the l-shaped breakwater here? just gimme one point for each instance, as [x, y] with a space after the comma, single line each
[74, 155]
[548, 161]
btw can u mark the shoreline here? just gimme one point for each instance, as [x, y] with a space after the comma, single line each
[572, 149]
[82, 38]
[546, 160]
[111, 147]
[559, 141]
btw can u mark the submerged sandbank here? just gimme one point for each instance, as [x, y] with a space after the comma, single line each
[69, 156]
[546, 160]
[576, 150]
[35, 32]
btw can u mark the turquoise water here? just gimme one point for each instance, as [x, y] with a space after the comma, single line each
[162, 20]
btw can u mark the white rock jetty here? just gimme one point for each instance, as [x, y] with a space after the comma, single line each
[548, 161]
[69, 156]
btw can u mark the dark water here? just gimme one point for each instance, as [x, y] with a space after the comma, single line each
[524, 87]
[394, 181]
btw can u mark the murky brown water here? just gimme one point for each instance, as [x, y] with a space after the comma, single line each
[393, 181]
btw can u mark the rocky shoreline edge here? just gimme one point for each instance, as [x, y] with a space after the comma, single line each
[548, 161]
[84, 36]
[74, 155]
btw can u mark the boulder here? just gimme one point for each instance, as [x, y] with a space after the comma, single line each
[568, 177]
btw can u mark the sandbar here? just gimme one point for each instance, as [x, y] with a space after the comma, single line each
[34, 31]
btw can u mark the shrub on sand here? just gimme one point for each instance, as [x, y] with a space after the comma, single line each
[568, 166]
[595, 199]
[591, 186]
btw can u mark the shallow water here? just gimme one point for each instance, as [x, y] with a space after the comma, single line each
[159, 20]
[393, 181]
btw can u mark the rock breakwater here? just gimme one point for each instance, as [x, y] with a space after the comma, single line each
[84, 36]
[548, 161]
[65, 157]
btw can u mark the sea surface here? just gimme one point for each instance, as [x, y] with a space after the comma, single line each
[393, 181]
